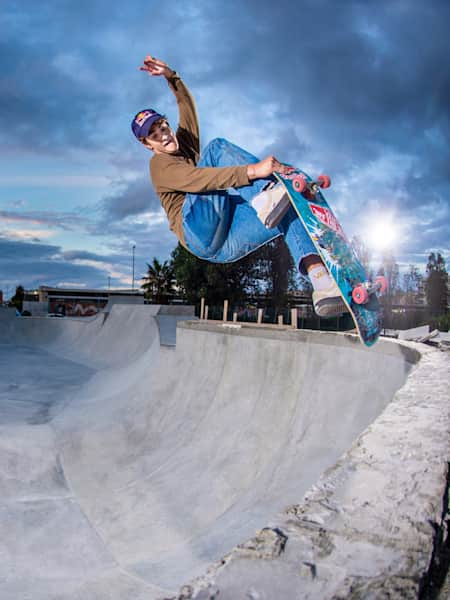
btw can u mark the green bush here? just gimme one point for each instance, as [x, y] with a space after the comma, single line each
[443, 322]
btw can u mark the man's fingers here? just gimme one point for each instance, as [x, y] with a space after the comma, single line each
[151, 60]
[151, 65]
[147, 69]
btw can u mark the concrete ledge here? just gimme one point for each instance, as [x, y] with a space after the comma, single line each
[410, 352]
[374, 523]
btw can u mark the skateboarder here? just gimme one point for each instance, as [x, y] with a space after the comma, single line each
[224, 203]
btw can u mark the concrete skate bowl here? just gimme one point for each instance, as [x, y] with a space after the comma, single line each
[128, 467]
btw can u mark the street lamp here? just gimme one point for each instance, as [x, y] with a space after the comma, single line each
[133, 248]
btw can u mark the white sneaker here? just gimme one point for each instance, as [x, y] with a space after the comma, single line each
[271, 205]
[328, 303]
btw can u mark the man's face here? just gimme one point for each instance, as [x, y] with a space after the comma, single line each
[161, 138]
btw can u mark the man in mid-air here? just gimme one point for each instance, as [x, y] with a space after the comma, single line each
[224, 203]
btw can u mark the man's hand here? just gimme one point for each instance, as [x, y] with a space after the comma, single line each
[156, 67]
[266, 167]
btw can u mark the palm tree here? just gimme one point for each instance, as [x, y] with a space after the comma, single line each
[159, 282]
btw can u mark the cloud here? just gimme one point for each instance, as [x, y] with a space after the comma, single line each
[58, 181]
[130, 198]
[43, 116]
[360, 91]
[73, 255]
[20, 252]
[34, 264]
[68, 221]
[134, 212]
[149, 231]
[30, 235]
[359, 78]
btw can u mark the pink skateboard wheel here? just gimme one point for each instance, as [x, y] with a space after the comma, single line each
[324, 181]
[360, 294]
[382, 284]
[299, 183]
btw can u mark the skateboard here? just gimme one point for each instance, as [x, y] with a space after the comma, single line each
[358, 292]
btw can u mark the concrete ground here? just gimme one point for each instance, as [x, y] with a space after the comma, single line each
[238, 463]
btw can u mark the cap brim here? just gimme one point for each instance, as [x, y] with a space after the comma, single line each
[145, 129]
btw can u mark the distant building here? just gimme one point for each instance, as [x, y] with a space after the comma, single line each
[73, 302]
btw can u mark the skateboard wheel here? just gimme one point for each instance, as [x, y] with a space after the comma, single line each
[324, 181]
[299, 183]
[360, 294]
[382, 284]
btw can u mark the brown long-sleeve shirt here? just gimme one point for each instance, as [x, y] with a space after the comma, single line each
[175, 175]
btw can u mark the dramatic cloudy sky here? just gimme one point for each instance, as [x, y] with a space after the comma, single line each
[355, 88]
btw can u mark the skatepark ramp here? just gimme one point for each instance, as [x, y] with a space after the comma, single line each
[129, 465]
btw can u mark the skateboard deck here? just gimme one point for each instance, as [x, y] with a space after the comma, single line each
[335, 250]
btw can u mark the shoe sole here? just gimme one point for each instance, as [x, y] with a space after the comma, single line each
[278, 212]
[330, 307]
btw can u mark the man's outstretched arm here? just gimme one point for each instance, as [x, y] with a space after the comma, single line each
[188, 118]
[156, 67]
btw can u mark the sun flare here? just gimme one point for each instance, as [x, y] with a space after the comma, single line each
[382, 234]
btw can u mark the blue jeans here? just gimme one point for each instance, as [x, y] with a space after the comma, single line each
[222, 226]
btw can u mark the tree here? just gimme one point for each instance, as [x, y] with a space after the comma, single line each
[159, 282]
[267, 270]
[413, 285]
[189, 273]
[436, 285]
[17, 299]
[276, 271]
[199, 278]
[362, 252]
[389, 268]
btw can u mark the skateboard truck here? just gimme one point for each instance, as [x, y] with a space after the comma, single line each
[310, 188]
[363, 291]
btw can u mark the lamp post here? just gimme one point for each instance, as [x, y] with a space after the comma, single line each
[133, 248]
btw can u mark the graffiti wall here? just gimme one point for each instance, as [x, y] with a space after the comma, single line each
[75, 307]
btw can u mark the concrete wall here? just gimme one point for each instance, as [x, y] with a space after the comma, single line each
[129, 467]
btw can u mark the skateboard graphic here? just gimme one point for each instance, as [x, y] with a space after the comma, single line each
[358, 292]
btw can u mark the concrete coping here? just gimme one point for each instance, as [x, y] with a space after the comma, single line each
[411, 353]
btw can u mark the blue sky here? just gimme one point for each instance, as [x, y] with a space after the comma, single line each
[359, 90]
